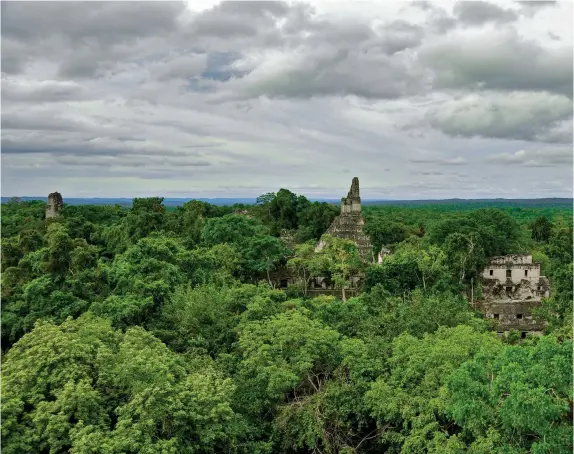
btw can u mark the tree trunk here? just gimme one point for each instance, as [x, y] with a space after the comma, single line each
[269, 278]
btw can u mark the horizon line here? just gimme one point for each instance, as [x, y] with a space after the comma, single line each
[314, 198]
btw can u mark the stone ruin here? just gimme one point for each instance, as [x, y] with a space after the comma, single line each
[512, 286]
[55, 204]
[349, 224]
[382, 254]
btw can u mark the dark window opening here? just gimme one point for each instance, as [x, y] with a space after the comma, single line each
[523, 335]
[496, 316]
[491, 272]
[508, 273]
[526, 273]
[283, 283]
[508, 289]
[519, 316]
[539, 288]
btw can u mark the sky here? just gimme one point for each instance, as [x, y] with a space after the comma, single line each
[420, 100]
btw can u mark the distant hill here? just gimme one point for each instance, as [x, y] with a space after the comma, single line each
[128, 201]
[478, 203]
[531, 203]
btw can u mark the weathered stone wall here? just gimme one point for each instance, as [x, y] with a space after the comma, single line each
[518, 273]
[349, 224]
[511, 259]
[55, 204]
[513, 315]
[352, 203]
[511, 287]
[350, 227]
[382, 254]
[524, 290]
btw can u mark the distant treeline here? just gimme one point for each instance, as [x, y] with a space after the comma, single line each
[453, 204]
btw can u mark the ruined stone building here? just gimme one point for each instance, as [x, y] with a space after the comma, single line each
[349, 224]
[382, 254]
[511, 287]
[55, 204]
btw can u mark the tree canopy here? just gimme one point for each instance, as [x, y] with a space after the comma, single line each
[154, 329]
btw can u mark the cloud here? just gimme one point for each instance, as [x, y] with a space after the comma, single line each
[534, 5]
[329, 71]
[535, 158]
[23, 90]
[497, 59]
[153, 162]
[515, 115]
[479, 12]
[457, 161]
[105, 22]
[179, 67]
[84, 38]
[201, 96]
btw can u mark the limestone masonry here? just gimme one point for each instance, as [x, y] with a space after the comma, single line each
[512, 286]
[55, 204]
[349, 224]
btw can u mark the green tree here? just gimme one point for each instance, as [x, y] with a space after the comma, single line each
[147, 215]
[410, 403]
[83, 387]
[263, 254]
[314, 218]
[414, 264]
[384, 233]
[517, 401]
[149, 269]
[465, 255]
[541, 229]
[307, 264]
[342, 260]
[284, 354]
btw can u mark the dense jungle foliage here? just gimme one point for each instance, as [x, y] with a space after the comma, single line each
[146, 330]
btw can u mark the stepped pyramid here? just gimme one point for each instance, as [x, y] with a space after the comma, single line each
[349, 224]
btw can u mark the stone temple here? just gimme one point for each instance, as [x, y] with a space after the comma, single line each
[349, 224]
[512, 285]
[55, 204]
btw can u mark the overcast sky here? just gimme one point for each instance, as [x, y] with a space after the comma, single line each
[206, 99]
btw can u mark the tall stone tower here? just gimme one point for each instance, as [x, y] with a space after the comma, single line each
[352, 203]
[349, 224]
[55, 204]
